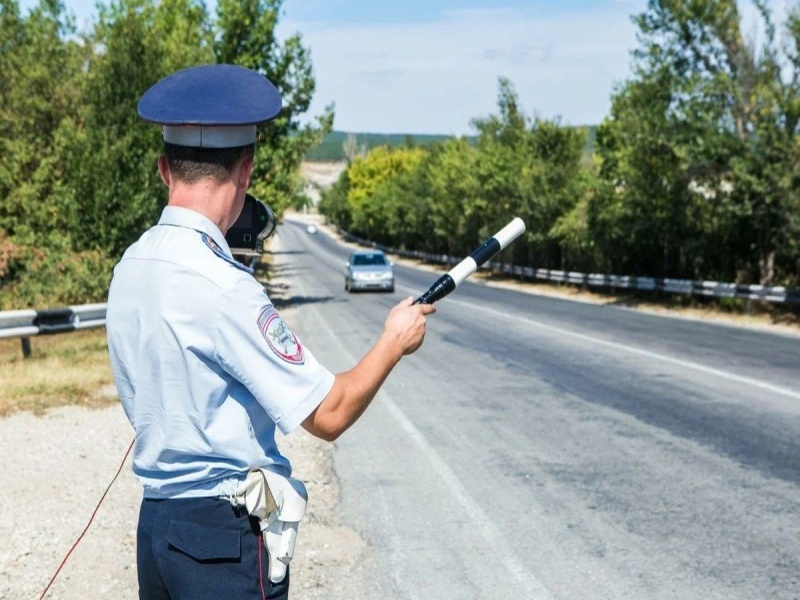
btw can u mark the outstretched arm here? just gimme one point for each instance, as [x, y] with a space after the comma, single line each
[353, 390]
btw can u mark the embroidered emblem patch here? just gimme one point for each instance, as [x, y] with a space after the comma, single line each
[279, 337]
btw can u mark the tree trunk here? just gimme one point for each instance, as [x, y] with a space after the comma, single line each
[767, 268]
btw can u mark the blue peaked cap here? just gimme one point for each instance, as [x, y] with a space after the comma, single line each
[211, 106]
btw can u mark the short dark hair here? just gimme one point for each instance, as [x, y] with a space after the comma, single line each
[190, 165]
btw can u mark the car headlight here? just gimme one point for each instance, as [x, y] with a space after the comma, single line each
[358, 275]
[387, 275]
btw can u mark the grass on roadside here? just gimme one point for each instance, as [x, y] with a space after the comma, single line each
[65, 369]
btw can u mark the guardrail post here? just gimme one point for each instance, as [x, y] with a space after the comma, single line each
[26, 347]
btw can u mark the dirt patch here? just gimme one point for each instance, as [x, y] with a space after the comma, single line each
[322, 174]
[319, 176]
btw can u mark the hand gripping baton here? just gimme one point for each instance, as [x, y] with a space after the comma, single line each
[482, 254]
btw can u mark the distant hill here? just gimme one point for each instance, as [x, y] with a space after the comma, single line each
[331, 149]
[332, 146]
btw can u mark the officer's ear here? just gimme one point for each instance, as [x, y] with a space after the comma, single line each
[243, 172]
[163, 170]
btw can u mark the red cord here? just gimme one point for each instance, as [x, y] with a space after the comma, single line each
[80, 537]
[260, 568]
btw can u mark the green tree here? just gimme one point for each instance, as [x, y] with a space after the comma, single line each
[641, 217]
[39, 71]
[451, 195]
[144, 41]
[451, 173]
[366, 174]
[333, 202]
[503, 152]
[399, 208]
[724, 113]
[527, 168]
[113, 164]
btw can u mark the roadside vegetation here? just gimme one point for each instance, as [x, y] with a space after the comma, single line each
[695, 173]
[68, 369]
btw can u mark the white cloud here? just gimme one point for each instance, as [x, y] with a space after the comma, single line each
[436, 77]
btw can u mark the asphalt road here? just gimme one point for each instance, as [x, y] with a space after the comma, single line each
[544, 448]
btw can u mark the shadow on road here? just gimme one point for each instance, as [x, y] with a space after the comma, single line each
[279, 291]
[291, 301]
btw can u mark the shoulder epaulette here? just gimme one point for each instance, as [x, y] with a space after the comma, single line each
[209, 241]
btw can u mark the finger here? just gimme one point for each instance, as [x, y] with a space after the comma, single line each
[427, 309]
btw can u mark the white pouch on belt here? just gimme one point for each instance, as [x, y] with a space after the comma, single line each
[279, 503]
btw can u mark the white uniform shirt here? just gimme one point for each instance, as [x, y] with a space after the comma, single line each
[204, 365]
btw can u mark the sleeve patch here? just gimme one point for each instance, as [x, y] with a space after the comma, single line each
[279, 337]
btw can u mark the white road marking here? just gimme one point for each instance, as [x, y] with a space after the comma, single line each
[478, 517]
[638, 351]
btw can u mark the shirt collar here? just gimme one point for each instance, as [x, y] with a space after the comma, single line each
[186, 217]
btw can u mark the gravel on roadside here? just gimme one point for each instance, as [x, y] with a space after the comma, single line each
[55, 470]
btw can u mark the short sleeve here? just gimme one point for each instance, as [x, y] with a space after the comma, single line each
[256, 346]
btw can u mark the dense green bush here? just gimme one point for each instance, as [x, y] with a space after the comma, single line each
[47, 277]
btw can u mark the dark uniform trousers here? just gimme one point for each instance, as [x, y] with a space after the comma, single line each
[202, 549]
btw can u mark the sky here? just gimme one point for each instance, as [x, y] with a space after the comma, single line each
[432, 66]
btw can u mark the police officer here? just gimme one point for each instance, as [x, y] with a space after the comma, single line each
[204, 365]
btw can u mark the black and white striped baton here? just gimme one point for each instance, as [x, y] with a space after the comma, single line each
[482, 254]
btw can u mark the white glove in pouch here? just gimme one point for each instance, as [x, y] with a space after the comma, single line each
[279, 504]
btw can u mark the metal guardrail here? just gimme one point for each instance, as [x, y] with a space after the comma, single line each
[713, 289]
[675, 286]
[27, 323]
